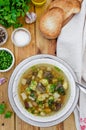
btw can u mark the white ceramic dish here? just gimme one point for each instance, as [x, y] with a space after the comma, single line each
[16, 34]
[6, 34]
[16, 104]
[13, 59]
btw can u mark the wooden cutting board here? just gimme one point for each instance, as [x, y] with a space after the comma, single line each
[46, 46]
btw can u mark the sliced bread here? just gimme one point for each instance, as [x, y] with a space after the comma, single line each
[68, 6]
[51, 23]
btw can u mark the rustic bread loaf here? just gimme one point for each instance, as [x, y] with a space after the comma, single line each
[59, 11]
[69, 7]
[66, 6]
[76, 6]
[51, 23]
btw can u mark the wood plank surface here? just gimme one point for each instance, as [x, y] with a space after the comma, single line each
[38, 45]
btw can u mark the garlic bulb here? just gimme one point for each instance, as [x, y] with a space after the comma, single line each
[30, 17]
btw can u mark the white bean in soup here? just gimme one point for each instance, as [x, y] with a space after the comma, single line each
[43, 89]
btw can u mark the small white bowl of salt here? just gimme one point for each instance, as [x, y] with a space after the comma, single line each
[21, 37]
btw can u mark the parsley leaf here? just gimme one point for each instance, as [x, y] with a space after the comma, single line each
[2, 108]
[8, 114]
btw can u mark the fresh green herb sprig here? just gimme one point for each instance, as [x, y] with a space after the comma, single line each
[3, 108]
[11, 10]
[8, 114]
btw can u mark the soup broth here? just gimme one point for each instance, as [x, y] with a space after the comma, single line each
[43, 89]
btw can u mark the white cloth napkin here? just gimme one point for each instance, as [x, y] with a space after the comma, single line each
[71, 48]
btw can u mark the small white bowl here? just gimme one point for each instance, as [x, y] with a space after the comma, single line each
[21, 37]
[6, 36]
[13, 59]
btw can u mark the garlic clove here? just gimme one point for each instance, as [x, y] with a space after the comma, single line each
[2, 80]
[30, 17]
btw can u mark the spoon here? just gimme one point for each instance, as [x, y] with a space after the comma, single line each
[80, 85]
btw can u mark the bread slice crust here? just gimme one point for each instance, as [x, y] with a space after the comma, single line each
[68, 6]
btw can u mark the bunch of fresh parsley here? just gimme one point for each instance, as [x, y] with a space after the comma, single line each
[11, 10]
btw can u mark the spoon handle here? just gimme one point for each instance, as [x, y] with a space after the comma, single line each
[80, 85]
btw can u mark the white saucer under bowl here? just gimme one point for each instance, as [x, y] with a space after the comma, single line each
[18, 107]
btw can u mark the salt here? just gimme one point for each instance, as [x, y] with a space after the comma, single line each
[21, 38]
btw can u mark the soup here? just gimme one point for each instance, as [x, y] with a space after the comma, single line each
[43, 89]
